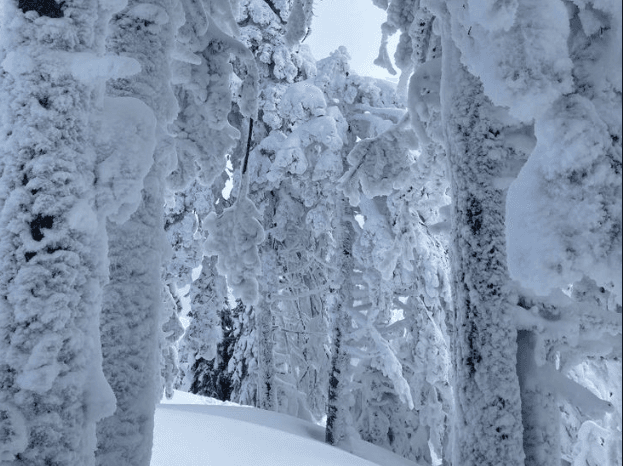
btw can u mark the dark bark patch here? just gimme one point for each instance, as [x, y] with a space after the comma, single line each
[474, 215]
[48, 8]
[44, 102]
[40, 221]
[474, 358]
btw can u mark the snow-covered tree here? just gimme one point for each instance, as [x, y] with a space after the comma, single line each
[403, 399]
[70, 160]
[487, 402]
[207, 86]
[280, 62]
[339, 421]
[444, 282]
[573, 167]
[397, 266]
[210, 375]
[526, 57]
[204, 75]
[203, 339]
[186, 235]
[242, 365]
[564, 228]
[133, 306]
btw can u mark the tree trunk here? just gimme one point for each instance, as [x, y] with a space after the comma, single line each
[266, 376]
[269, 254]
[52, 237]
[133, 308]
[130, 330]
[338, 409]
[488, 422]
[539, 408]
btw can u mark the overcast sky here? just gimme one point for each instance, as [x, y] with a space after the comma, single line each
[353, 23]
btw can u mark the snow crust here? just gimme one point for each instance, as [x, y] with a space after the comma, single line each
[84, 66]
[42, 366]
[291, 156]
[302, 100]
[112, 6]
[88, 67]
[149, 13]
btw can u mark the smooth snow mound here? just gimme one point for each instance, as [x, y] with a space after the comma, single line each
[198, 431]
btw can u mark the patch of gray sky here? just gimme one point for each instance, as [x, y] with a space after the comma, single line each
[355, 24]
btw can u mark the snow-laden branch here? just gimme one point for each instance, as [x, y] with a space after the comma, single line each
[295, 297]
[575, 329]
[234, 237]
[581, 397]
[380, 164]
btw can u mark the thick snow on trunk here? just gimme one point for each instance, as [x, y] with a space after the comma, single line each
[338, 415]
[266, 375]
[339, 420]
[130, 331]
[53, 240]
[133, 309]
[488, 423]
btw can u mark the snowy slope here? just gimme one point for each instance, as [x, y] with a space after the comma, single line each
[197, 431]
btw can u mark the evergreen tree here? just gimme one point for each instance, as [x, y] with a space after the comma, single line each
[133, 309]
[391, 247]
[186, 236]
[263, 30]
[204, 137]
[338, 430]
[203, 345]
[211, 377]
[64, 171]
[487, 400]
[242, 365]
[528, 85]
[443, 282]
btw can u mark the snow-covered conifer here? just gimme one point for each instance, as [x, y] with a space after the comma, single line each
[172, 330]
[206, 86]
[199, 346]
[534, 85]
[133, 308]
[238, 259]
[243, 362]
[280, 63]
[562, 211]
[393, 247]
[62, 175]
[339, 424]
[488, 424]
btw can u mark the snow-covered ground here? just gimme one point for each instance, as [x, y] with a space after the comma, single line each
[196, 431]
